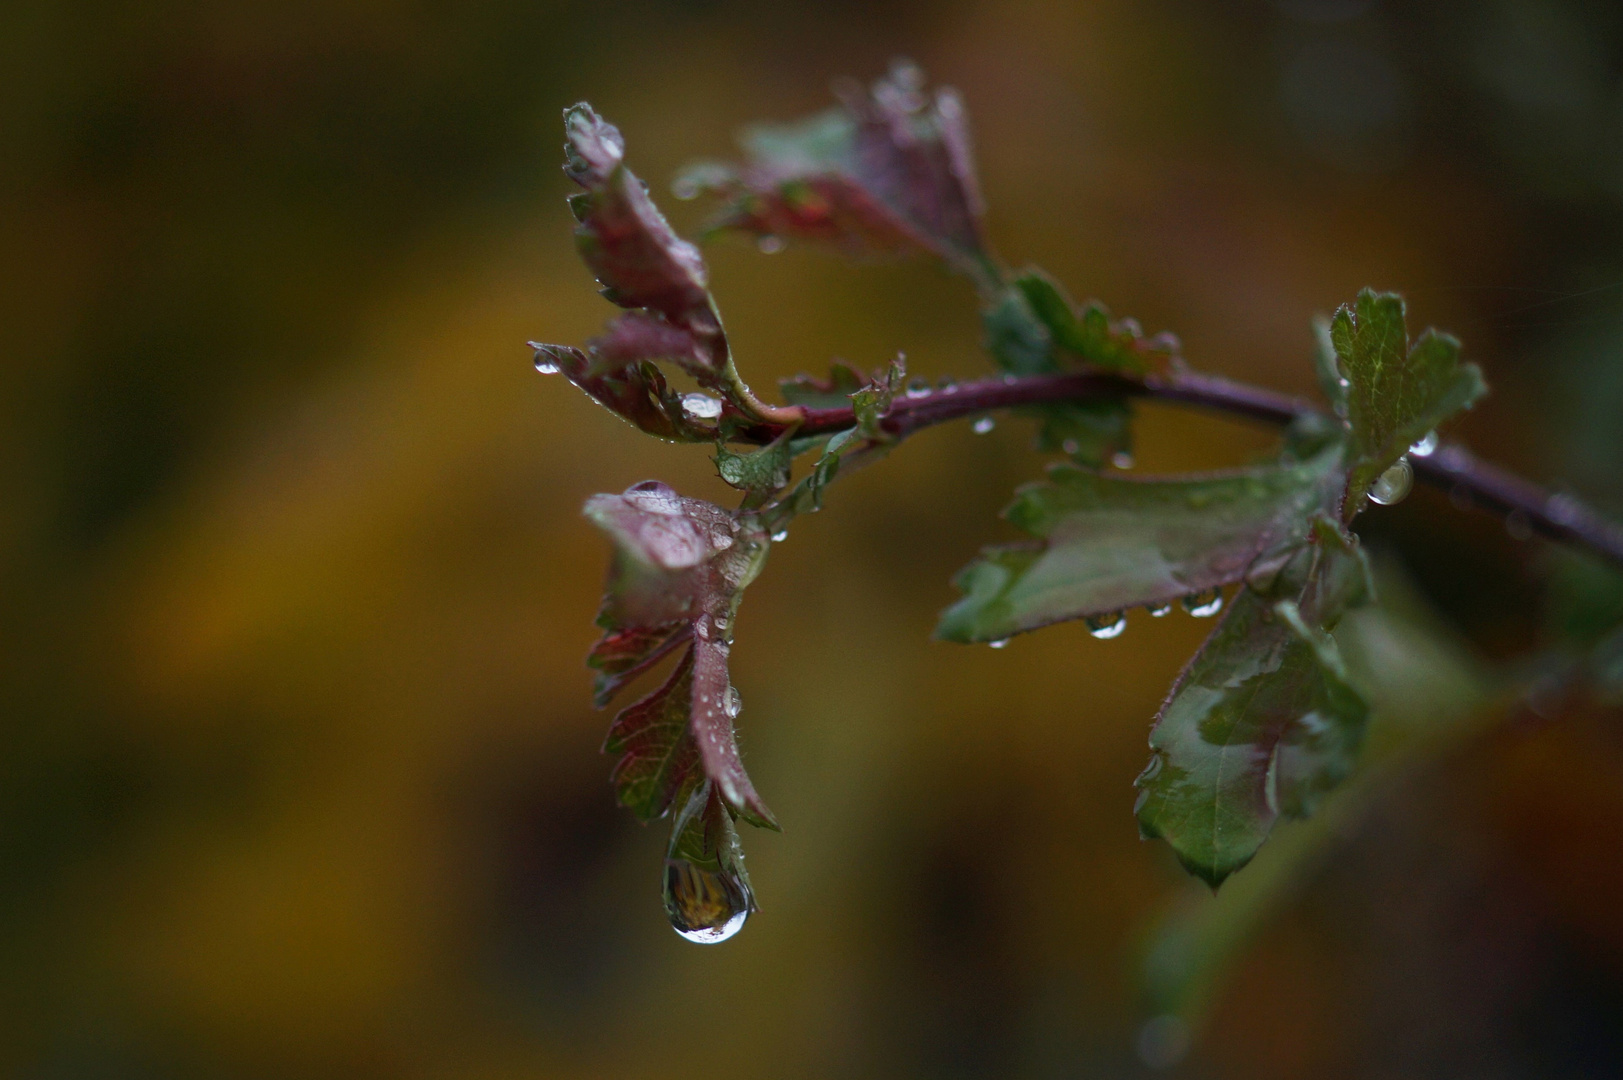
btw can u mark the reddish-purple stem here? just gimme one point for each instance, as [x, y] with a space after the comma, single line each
[1452, 467]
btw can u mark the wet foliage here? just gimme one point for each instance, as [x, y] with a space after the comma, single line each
[1262, 723]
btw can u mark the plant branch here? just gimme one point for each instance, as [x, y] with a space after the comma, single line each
[1469, 480]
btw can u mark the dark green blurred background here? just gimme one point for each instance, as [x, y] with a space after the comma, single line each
[299, 775]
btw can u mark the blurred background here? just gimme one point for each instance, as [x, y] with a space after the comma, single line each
[298, 770]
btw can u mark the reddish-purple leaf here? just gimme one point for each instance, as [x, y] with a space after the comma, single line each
[680, 566]
[890, 171]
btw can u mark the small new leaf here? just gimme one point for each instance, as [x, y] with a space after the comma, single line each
[1109, 543]
[1396, 391]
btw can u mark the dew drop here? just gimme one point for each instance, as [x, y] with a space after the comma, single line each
[1105, 627]
[1000, 643]
[735, 703]
[769, 244]
[701, 406]
[545, 364]
[947, 384]
[1121, 459]
[983, 426]
[705, 906]
[1203, 605]
[917, 388]
[780, 536]
[1393, 484]
[1158, 611]
[1427, 445]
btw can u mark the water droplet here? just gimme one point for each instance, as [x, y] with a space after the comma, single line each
[1427, 445]
[1070, 446]
[705, 906]
[999, 643]
[780, 536]
[983, 426]
[947, 384]
[545, 364]
[1343, 382]
[1105, 627]
[1121, 459]
[701, 406]
[735, 703]
[1158, 611]
[1202, 605]
[917, 388]
[1393, 484]
[769, 244]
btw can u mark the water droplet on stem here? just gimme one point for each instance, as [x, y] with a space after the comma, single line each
[1427, 445]
[1000, 643]
[780, 536]
[1158, 611]
[735, 703]
[917, 388]
[983, 426]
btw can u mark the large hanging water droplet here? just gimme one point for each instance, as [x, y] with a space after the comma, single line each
[769, 244]
[1000, 643]
[545, 364]
[735, 703]
[1105, 627]
[1202, 605]
[1158, 611]
[1427, 445]
[917, 388]
[701, 406]
[983, 426]
[1393, 484]
[705, 906]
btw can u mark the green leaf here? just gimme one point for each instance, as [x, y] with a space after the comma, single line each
[679, 571]
[1113, 542]
[1263, 722]
[1089, 332]
[889, 171]
[1396, 391]
[759, 472]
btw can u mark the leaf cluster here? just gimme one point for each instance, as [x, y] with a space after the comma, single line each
[1263, 721]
